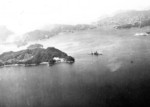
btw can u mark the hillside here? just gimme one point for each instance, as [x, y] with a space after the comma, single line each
[84, 37]
[31, 56]
[122, 20]
[48, 31]
[128, 19]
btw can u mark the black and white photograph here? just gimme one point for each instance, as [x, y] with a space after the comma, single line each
[74, 53]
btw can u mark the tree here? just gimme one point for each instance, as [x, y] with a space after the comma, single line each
[52, 62]
[37, 58]
[1, 63]
[70, 59]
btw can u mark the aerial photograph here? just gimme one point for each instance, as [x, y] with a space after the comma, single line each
[74, 53]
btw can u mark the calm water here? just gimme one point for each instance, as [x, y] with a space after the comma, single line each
[90, 82]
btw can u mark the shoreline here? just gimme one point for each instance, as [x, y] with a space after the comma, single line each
[14, 65]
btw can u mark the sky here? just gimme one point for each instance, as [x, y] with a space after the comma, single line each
[24, 15]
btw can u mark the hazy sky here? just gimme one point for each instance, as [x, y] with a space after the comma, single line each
[23, 15]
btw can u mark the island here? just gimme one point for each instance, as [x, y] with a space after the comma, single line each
[35, 56]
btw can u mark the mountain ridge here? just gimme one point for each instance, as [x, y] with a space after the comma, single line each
[132, 18]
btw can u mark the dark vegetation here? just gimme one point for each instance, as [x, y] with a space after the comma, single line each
[1, 63]
[32, 56]
[52, 62]
[70, 59]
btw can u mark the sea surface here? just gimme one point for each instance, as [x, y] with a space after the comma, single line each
[92, 81]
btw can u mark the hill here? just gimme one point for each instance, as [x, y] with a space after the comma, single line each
[127, 19]
[76, 38]
[47, 31]
[31, 56]
[122, 20]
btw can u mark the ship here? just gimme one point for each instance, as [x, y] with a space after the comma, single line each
[95, 53]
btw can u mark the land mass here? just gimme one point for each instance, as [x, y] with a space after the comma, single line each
[87, 37]
[127, 19]
[123, 20]
[34, 56]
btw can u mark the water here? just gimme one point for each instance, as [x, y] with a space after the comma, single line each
[92, 81]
